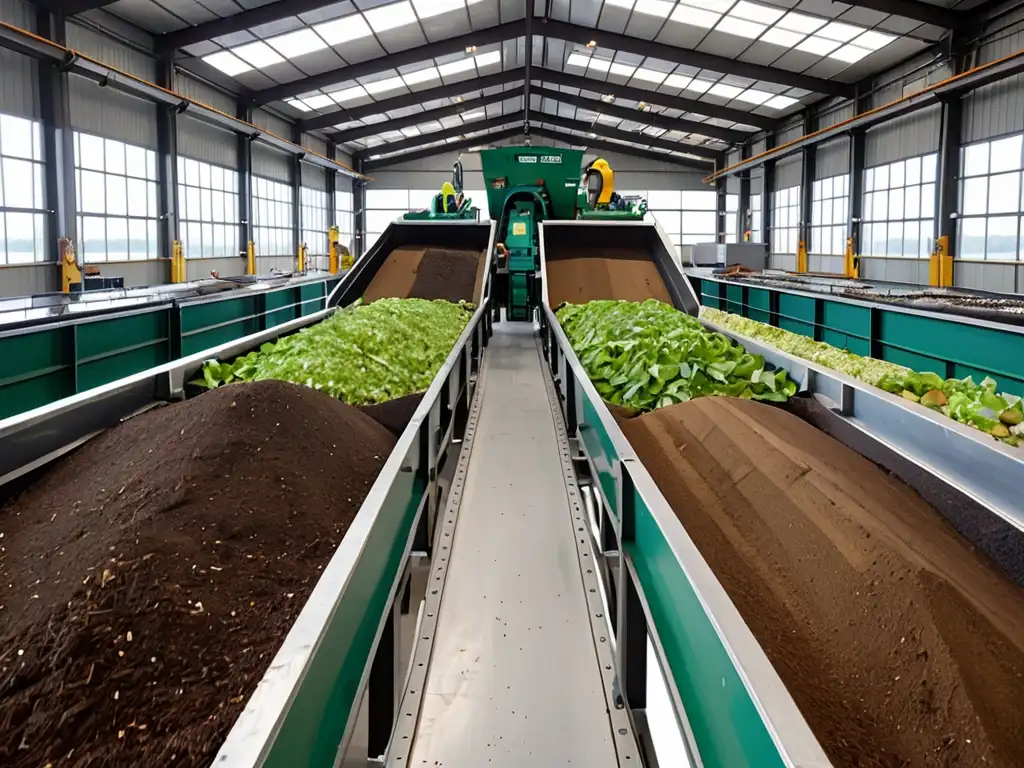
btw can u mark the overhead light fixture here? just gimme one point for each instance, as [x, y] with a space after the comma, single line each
[607, 98]
[297, 43]
[457, 99]
[640, 107]
[227, 63]
[592, 44]
[320, 101]
[259, 54]
[470, 49]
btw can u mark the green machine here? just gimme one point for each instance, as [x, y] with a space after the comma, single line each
[450, 204]
[597, 198]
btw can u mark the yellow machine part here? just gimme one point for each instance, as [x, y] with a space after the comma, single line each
[447, 189]
[347, 259]
[600, 172]
[851, 264]
[177, 262]
[940, 265]
[302, 257]
[332, 250]
[69, 270]
[250, 258]
[801, 257]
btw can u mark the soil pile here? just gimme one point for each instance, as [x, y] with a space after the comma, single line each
[149, 578]
[579, 275]
[394, 415]
[419, 272]
[902, 646]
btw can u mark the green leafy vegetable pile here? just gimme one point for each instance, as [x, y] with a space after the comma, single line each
[977, 405]
[363, 354]
[648, 355]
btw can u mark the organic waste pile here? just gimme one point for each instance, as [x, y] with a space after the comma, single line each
[647, 355]
[364, 354]
[978, 405]
[901, 645]
[150, 577]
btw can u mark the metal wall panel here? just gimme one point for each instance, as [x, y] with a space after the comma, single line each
[29, 280]
[342, 183]
[835, 112]
[784, 261]
[827, 264]
[117, 55]
[270, 164]
[915, 134]
[1001, 278]
[788, 172]
[315, 144]
[108, 113]
[202, 141]
[19, 83]
[997, 109]
[204, 94]
[136, 273]
[759, 145]
[198, 269]
[791, 133]
[894, 270]
[272, 123]
[314, 177]
[832, 158]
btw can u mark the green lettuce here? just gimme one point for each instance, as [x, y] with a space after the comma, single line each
[363, 354]
[648, 355]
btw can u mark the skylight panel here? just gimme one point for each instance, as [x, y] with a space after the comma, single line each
[873, 40]
[227, 63]
[390, 16]
[782, 37]
[698, 85]
[799, 22]
[781, 102]
[475, 115]
[298, 104]
[725, 91]
[754, 96]
[659, 8]
[343, 30]
[348, 94]
[740, 27]
[427, 8]
[258, 54]
[850, 53]
[320, 101]
[600, 65]
[578, 60]
[379, 86]
[649, 75]
[297, 43]
[411, 131]
[695, 17]
[819, 45]
[624, 70]
[838, 31]
[420, 76]
[491, 57]
[759, 13]
[454, 67]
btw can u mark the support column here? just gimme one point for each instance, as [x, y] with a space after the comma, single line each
[296, 179]
[245, 214]
[743, 208]
[767, 189]
[806, 193]
[332, 184]
[855, 203]
[167, 154]
[721, 206]
[358, 208]
[58, 142]
[940, 268]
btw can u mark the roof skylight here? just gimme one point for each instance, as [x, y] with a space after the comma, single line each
[390, 16]
[343, 30]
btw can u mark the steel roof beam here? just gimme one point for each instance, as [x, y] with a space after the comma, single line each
[652, 119]
[447, 133]
[455, 146]
[916, 10]
[607, 132]
[73, 7]
[496, 34]
[264, 14]
[608, 146]
[415, 98]
[583, 35]
[664, 99]
[395, 124]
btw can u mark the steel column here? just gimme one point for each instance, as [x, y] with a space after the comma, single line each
[167, 154]
[721, 196]
[358, 209]
[332, 184]
[855, 202]
[244, 165]
[743, 208]
[296, 180]
[58, 141]
[767, 190]
[807, 177]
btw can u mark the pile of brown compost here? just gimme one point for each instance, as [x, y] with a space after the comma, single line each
[901, 645]
[579, 275]
[149, 577]
[420, 272]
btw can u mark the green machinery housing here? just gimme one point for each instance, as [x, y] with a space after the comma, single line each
[527, 185]
[450, 204]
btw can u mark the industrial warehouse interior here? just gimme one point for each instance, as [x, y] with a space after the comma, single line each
[512, 383]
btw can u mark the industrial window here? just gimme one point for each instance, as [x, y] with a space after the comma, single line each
[343, 211]
[383, 206]
[699, 214]
[899, 208]
[115, 187]
[272, 217]
[207, 209]
[755, 219]
[22, 208]
[314, 221]
[786, 220]
[992, 201]
[829, 201]
[732, 206]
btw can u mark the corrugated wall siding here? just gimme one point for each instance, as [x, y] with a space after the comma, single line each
[834, 113]
[909, 136]
[204, 93]
[832, 158]
[272, 123]
[788, 172]
[997, 109]
[314, 143]
[314, 177]
[109, 51]
[202, 141]
[270, 164]
[19, 82]
[791, 133]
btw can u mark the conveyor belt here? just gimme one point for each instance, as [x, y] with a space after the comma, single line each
[514, 676]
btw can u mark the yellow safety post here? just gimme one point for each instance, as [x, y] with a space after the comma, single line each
[332, 250]
[177, 262]
[851, 264]
[250, 261]
[69, 270]
[801, 257]
[940, 265]
[302, 257]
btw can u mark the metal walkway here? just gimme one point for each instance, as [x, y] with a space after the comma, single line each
[514, 677]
